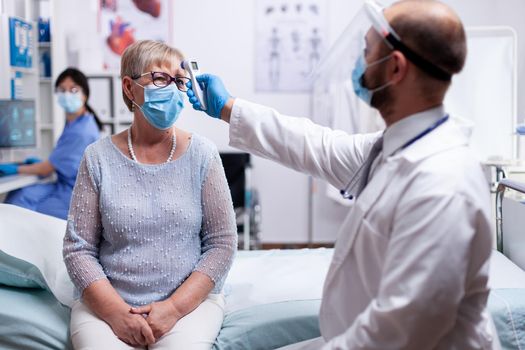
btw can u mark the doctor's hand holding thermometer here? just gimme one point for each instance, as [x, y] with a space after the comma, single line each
[218, 100]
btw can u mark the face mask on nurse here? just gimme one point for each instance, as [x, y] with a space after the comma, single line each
[71, 101]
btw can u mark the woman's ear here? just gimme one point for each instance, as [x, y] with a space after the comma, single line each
[84, 97]
[400, 69]
[127, 83]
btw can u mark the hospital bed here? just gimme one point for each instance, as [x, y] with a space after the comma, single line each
[266, 308]
[273, 299]
[510, 199]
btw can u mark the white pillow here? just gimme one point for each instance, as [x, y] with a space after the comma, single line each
[273, 276]
[36, 239]
[504, 274]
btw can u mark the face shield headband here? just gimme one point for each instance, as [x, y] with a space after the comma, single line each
[381, 25]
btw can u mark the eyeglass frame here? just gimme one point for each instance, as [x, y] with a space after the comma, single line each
[184, 79]
[73, 90]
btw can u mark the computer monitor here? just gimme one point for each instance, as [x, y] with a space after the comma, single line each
[17, 123]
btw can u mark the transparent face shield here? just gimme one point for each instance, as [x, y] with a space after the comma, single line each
[367, 37]
[362, 35]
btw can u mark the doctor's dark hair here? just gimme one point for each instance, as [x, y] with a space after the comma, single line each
[80, 79]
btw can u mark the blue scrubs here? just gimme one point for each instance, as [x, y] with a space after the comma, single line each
[53, 198]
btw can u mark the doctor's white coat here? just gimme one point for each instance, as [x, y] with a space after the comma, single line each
[411, 260]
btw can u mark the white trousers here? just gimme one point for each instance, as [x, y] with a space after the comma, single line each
[195, 331]
[311, 344]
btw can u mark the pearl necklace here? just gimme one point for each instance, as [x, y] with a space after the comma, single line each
[132, 152]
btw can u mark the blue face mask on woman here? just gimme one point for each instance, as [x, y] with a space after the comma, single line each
[162, 106]
[70, 101]
[358, 74]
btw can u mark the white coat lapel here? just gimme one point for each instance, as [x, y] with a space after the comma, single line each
[443, 138]
[366, 200]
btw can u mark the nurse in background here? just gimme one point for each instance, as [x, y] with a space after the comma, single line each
[82, 128]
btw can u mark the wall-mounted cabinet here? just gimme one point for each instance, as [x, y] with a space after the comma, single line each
[106, 100]
[29, 64]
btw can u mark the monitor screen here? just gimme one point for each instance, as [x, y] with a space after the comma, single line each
[17, 123]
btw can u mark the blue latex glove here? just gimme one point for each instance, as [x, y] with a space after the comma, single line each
[8, 169]
[215, 94]
[32, 160]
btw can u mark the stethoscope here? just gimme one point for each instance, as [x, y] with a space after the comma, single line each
[345, 192]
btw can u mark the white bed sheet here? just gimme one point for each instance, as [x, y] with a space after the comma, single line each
[504, 273]
[264, 277]
[271, 276]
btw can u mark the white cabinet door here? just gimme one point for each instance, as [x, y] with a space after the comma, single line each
[122, 113]
[101, 97]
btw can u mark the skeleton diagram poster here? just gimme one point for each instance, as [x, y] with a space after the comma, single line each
[290, 40]
[122, 22]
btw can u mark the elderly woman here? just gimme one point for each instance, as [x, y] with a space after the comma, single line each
[151, 231]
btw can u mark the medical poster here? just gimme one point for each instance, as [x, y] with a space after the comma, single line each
[122, 22]
[290, 41]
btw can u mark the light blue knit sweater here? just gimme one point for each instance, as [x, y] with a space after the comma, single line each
[146, 228]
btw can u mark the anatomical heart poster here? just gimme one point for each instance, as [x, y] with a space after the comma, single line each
[122, 22]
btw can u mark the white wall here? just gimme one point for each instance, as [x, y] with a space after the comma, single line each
[225, 45]
[221, 34]
[498, 13]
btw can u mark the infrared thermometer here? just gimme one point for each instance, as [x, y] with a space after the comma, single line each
[192, 67]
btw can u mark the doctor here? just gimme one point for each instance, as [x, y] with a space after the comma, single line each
[82, 128]
[411, 261]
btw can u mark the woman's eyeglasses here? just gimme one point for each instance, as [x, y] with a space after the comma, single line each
[162, 79]
[72, 90]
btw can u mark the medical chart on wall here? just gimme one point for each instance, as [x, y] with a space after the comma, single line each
[290, 39]
[122, 22]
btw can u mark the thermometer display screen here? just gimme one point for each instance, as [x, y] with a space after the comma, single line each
[194, 65]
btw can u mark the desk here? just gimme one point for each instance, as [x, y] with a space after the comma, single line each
[14, 182]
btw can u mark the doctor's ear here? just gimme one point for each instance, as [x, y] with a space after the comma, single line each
[400, 69]
[127, 84]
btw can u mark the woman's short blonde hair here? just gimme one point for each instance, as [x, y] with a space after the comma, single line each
[144, 54]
